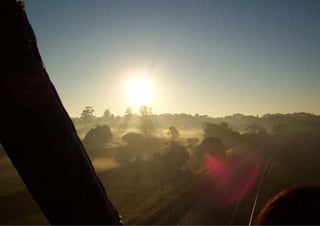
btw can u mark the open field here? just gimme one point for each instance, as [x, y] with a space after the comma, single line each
[147, 191]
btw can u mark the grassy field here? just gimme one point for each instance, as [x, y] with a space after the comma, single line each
[144, 192]
[16, 203]
[9, 178]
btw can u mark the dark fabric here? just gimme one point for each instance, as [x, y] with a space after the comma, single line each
[39, 136]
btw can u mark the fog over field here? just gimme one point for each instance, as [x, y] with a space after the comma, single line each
[151, 112]
[198, 170]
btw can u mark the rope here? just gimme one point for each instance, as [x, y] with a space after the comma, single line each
[235, 212]
[256, 197]
[266, 169]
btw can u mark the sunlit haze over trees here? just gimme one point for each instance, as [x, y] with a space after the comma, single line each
[180, 112]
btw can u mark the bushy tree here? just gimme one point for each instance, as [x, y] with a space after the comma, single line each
[126, 119]
[223, 132]
[133, 148]
[123, 155]
[107, 114]
[98, 136]
[173, 133]
[146, 126]
[174, 158]
[128, 114]
[87, 113]
[224, 125]
[256, 129]
[211, 146]
[133, 138]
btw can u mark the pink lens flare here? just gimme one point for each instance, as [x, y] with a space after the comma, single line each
[219, 170]
[232, 179]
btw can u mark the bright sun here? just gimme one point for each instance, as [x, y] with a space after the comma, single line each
[139, 91]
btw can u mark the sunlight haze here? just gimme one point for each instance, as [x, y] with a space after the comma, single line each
[139, 90]
[209, 57]
[160, 112]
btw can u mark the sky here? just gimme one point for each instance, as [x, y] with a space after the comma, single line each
[213, 57]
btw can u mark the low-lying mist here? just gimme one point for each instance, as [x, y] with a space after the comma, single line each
[187, 169]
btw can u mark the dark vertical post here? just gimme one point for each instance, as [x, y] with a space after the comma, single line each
[39, 136]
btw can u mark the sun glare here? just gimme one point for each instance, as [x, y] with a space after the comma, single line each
[139, 91]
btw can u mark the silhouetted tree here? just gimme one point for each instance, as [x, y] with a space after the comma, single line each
[173, 133]
[146, 126]
[98, 136]
[126, 118]
[211, 146]
[128, 114]
[133, 138]
[255, 129]
[224, 125]
[123, 155]
[174, 158]
[133, 148]
[87, 113]
[223, 132]
[112, 117]
[107, 115]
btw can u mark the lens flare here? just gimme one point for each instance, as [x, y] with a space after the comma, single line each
[231, 180]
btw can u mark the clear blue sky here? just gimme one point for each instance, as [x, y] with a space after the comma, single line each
[209, 57]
